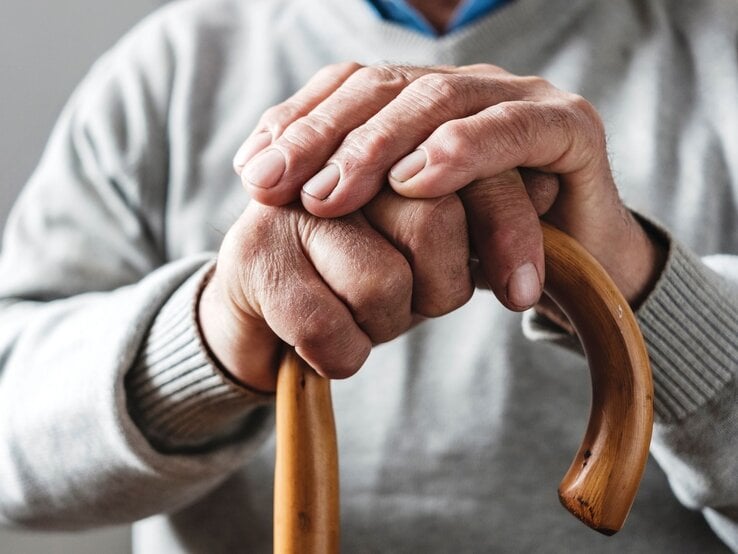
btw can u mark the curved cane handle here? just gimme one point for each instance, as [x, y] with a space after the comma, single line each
[603, 479]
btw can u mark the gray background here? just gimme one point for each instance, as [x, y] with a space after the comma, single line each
[45, 49]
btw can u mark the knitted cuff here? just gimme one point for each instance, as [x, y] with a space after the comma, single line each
[690, 324]
[177, 394]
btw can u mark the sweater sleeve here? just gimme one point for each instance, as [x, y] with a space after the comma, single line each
[690, 325]
[110, 408]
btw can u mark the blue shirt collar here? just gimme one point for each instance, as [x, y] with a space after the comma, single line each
[400, 12]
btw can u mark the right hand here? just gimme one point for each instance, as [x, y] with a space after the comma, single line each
[331, 287]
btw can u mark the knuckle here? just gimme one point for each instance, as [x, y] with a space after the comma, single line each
[485, 68]
[277, 118]
[448, 212]
[440, 92]
[378, 78]
[515, 127]
[317, 327]
[581, 104]
[392, 287]
[305, 132]
[461, 294]
[580, 124]
[587, 114]
[436, 84]
[257, 271]
[440, 236]
[336, 354]
[454, 142]
[433, 219]
[257, 223]
[533, 85]
[381, 294]
[339, 68]
[369, 143]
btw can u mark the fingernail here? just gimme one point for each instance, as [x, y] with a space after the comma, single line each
[323, 183]
[524, 286]
[409, 166]
[252, 146]
[266, 169]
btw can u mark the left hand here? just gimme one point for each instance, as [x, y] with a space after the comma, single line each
[435, 131]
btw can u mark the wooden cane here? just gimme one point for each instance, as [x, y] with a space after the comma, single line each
[306, 514]
[602, 481]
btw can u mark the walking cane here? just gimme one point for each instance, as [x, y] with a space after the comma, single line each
[602, 481]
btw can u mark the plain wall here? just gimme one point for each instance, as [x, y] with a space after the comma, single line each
[46, 47]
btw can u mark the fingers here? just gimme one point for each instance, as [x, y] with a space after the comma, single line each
[506, 236]
[433, 129]
[358, 167]
[302, 145]
[561, 137]
[330, 288]
[276, 119]
[274, 281]
[366, 272]
[432, 235]
[542, 188]
[337, 153]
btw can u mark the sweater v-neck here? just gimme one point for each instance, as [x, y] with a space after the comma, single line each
[500, 31]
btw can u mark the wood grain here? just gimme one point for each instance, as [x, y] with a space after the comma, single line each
[306, 506]
[602, 481]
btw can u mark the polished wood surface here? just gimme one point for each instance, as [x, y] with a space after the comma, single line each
[306, 508]
[599, 487]
[603, 479]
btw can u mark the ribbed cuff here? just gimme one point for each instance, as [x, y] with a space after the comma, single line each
[177, 395]
[690, 325]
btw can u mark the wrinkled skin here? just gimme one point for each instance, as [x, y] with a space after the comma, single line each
[359, 262]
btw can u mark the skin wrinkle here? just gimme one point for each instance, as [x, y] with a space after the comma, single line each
[399, 76]
[312, 324]
[380, 283]
[307, 131]
[415, 384]
[278, 119]
[431, 234]
[494, 237]
[442, 94]
[456, 287]
[365, 147]
[424, 104]
[512, 121]
[270, 120]
[472, 123]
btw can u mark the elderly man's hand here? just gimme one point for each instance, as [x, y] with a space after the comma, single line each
[435, 130]
[332, 287]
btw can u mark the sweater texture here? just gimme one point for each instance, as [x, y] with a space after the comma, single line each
[454, 436]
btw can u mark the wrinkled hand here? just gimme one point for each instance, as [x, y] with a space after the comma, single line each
[331, 287]
[434, 131]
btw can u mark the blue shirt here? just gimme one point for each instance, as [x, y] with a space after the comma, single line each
[400, 12]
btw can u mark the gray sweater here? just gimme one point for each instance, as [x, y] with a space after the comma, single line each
[452, 437]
